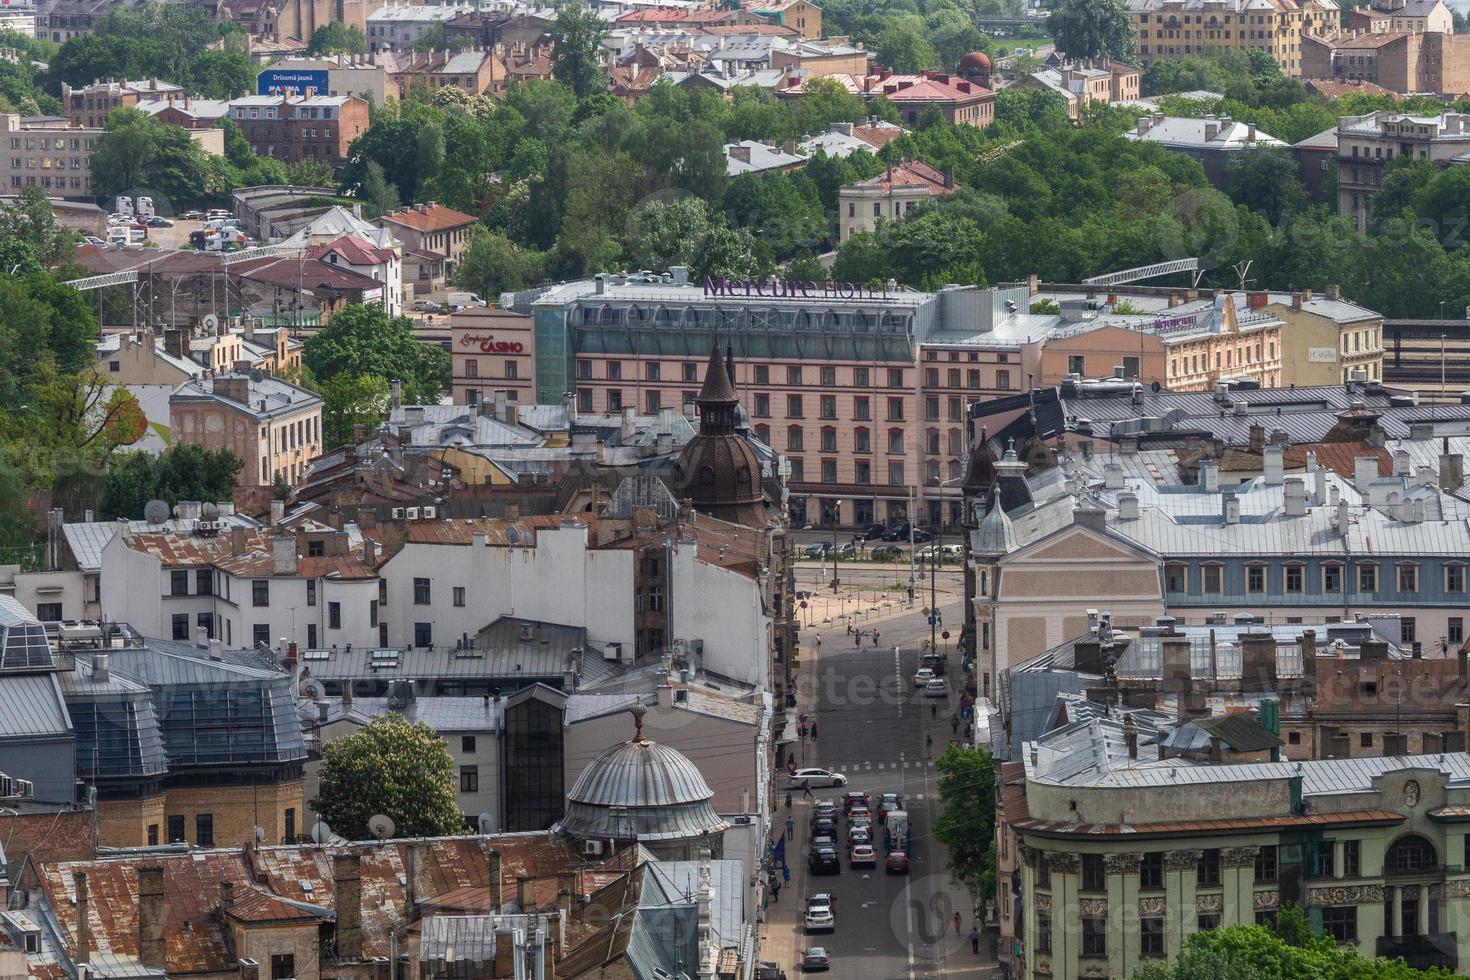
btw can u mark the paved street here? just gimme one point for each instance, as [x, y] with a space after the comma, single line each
[872, 725]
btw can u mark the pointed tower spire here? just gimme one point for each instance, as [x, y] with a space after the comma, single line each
[716, 398]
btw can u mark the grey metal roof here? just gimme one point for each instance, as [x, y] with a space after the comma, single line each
[668, 882]
[277, 396]
[459, 425]
[443, 714]
[497, 651]
[31, 706]
[640, 773]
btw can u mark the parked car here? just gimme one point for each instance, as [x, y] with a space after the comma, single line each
[93, 240]
[847, 551]
[192, 215]
[897, 863]
[853, 799]
[898, 532]
[872, 532]
[817, 777]
[154, 221]
[861, 834]
[923, 676]
[921, 535]
[823, 861]
[823, 825]
[819, 918]
[823, 839]
[887, 552]
[824, 808]
[823, 898]
[936, 688]
[814, 960]
[462, 299]
[935, 662]
[863, 856]
[818, 549]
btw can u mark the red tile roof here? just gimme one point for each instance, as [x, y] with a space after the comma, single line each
[429, 217]
[878, 136]
[1336, 89]
[929, 86]
[355, 250]
[914, 173]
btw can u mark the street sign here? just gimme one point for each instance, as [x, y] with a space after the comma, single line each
[803, 603]
[926, 613]
[933, 620]
[945, 634]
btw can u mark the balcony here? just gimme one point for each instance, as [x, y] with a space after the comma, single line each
[1421, 952]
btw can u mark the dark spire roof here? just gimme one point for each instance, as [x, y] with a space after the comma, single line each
[717, 388]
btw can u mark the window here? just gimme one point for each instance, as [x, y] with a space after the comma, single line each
[829, 377]
[1077, 364]
[1255, 578]
[204, 829]
[1410, 853]
[829, 439]
[1455, 630]
[1094, 936]
[1043, 932]
[1367, 578]
[1454, 578]
[895, 475]
[260, 634]
[421, 592]
[1151, 936]
[469, 779]
[763, 406]
[423, 634]
[931, 377]
[798, 471]
[1266, 863]
[1208, 872]
[1151, 871]
[1043, 871]
[614, 370]
[793, 406]
[652, 371]
[48, 612]
[829, 471]
[176, 830]
[762, 374]
[1341, 922]
[1324, 864]
[1352, 858]
[793, 374]
[204, 581]
[895, 441]
[334, 615]
[260, 592]
[860, 377]
[178, 583]
[1408, 577]
[828, 407]
[1094, 873]
[895, 377]
[1294, 575]
[467, 743]
[931, 409]
[283, 966]
[1003, 380]
[895, 409]
[584, 370]
[862, 408]
[1212, 576]
[1331, 578]
[1174, 578]
[862, 440]
[1408, 629]
[1208, 921]
[690, 372]
[584, 400]
[181, 626]
[793, 437]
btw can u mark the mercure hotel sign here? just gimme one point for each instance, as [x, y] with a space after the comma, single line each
[791, 288]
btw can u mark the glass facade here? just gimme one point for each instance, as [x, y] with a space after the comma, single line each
[535, 785]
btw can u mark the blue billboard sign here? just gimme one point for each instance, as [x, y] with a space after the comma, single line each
[292, 81]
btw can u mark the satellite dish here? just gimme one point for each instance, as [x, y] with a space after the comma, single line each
[485, 822]
[513, 536]
[381, 827]
[259, 835]
[256, 376]
[209, 322]
[155, 512]
[313, 688]
[321, 833]
[1156, 387]
[210, 511]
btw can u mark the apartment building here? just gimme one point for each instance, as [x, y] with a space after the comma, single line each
[48, 153]
[1167, 30]
[90, 105]
[889, 196]
[1212, 140]
[1400, 61]
[399, 26]
[473, 71]
[433, 238]
[494, 356]
[1414, 16]
[962, 101]
[295, 128]
[271, 424]
[1366, 144]
[802, 15]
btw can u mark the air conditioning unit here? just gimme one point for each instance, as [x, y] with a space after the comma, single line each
[7, 787]
[592, 848]
[398, 513]
[24, 789]
[413, 513]
[429, 512]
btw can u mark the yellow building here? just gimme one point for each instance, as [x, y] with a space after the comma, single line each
[1327, 338]
[1203, 347]
[1166, 30]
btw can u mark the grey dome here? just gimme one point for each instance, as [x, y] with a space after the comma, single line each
[640, 790]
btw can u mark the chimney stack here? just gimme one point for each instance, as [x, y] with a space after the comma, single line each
[150, 916]
[347, 882]
[84, 918]
[283, 555]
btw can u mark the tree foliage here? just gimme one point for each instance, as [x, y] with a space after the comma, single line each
[184, 472]
[136, 153]
[966, 826]
[576, 49]
[365, 340]
[337, 38]
[392, 767]
[1092, 29]
[350, 400]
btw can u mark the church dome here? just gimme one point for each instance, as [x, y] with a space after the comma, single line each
[641, 791]
[975, 61]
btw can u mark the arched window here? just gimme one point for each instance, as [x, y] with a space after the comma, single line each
[707, 474]
[1410, 853]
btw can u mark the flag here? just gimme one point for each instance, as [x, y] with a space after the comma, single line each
[778, 851]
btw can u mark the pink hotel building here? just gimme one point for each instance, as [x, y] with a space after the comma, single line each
[863, 391]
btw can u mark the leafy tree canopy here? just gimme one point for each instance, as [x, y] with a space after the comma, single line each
[392, 767]
[365, 340]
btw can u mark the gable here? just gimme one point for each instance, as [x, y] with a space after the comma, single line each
[1078, 544]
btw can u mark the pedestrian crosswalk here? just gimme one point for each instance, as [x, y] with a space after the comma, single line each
[871, 766]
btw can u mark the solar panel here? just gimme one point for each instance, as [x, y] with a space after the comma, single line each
[25, 646]
[316, 655]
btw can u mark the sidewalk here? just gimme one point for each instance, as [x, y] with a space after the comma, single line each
[781, 938]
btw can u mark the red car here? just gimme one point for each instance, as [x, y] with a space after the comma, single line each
[897, 863]
[852, 799]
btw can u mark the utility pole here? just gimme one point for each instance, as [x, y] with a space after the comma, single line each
[912, 579]
[934, 553]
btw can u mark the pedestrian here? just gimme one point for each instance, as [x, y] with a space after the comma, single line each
[819, 641]
[929, 743]
[791, 761]
[776, 891]
[806, 788]
[975, 940]
[849, 629]
[933, 709]
[857, 638]
[801, 730]
[788, 802]
[814, 731]
[954, 724]
[791, 826]
[956, 923]
[875, 637]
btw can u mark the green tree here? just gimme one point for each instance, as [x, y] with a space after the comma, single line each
[31, 220]
[137, 152]
[379, 194]
[225, 74]
[432, 39]
[1265, 180]
[392, 767]
[806, 267]
[350, 400]
[337, 38]
[576, 49]
[966, 826]
[185, 472]
[311, 172]
[666, 233]
[732, 253]
[493, 264]
[1092, 29]
[362, 340]
[905, 47]
[1257, 953]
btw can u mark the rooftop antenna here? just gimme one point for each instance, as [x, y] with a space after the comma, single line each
[1241, 269]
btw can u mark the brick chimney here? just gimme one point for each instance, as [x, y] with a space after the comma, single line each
[347, 882]
[150, 916]
[84, 917]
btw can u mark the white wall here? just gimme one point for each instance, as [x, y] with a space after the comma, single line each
[722, 608]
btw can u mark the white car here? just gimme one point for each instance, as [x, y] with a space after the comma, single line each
[863, 856]
[819, 918]
[923, 676]
[936, 688]
[817, 777]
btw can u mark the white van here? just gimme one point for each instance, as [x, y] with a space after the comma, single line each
[458, 300]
